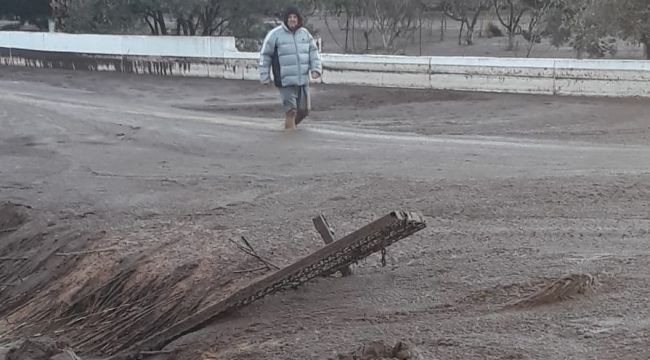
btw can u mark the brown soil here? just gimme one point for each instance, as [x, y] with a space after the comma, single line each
[131, 187]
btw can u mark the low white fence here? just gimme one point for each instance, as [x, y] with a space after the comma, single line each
[218, 57]
[127, 45]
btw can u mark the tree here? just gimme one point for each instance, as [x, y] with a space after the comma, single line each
[393, 19]
[350, 11]
[247, 19]
[467, 12]
[432, 7]
[186, 13]
[97, 16]
[592, 27]
[509, 13]
[632, 18]
[33, 11]
[364, 19]
[592, 31]
[112, 16]
[153, 13]
[192, 17]
[59, 12]
[539, 21]
[583, 24]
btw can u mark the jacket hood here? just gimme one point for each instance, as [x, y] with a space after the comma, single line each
[292, 10]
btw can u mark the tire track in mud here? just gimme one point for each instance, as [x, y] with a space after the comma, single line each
[334, 131]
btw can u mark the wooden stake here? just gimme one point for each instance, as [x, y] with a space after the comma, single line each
[327, 233]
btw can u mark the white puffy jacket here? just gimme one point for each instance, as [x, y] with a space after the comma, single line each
[290, 55]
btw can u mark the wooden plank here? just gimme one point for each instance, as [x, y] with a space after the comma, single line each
[327, 233]
[324, 229]
[353, 247]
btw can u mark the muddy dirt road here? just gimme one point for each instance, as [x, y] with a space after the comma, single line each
[159, 173]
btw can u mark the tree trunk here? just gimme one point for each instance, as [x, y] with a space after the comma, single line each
[159, 19]
[511, 40]
[469, 36]
[384, 41]
[420, 26]
[151, 27]
[366, 35]
[460, 33]
[646, 43]
[163, 27]
[531, 42]
[354, 45]
[471, 26]
[443, 26]
[347, 31]
[207, 23]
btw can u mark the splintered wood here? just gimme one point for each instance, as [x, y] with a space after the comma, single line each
[339, 254]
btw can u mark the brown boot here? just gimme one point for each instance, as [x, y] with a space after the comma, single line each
[300, 116]
[290, 121]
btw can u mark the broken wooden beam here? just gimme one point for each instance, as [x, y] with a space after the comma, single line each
[327, 233]
[356, 246]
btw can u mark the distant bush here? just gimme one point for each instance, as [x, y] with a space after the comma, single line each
[10, 27]
[532, 38]
[493, 30]
[249, 45]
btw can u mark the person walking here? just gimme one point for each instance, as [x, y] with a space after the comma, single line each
[289, 52]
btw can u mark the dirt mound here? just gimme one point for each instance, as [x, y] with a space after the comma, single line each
[12, 216]
[567, 287]
[378, 350]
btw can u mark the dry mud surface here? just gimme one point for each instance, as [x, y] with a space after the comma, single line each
[119, 194]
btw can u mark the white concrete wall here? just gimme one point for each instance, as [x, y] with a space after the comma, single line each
[217, 57]
[518, 75]
[129, 45]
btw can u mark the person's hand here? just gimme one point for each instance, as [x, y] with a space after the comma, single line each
[315, 75]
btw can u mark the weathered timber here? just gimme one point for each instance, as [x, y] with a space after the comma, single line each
[356, 246]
